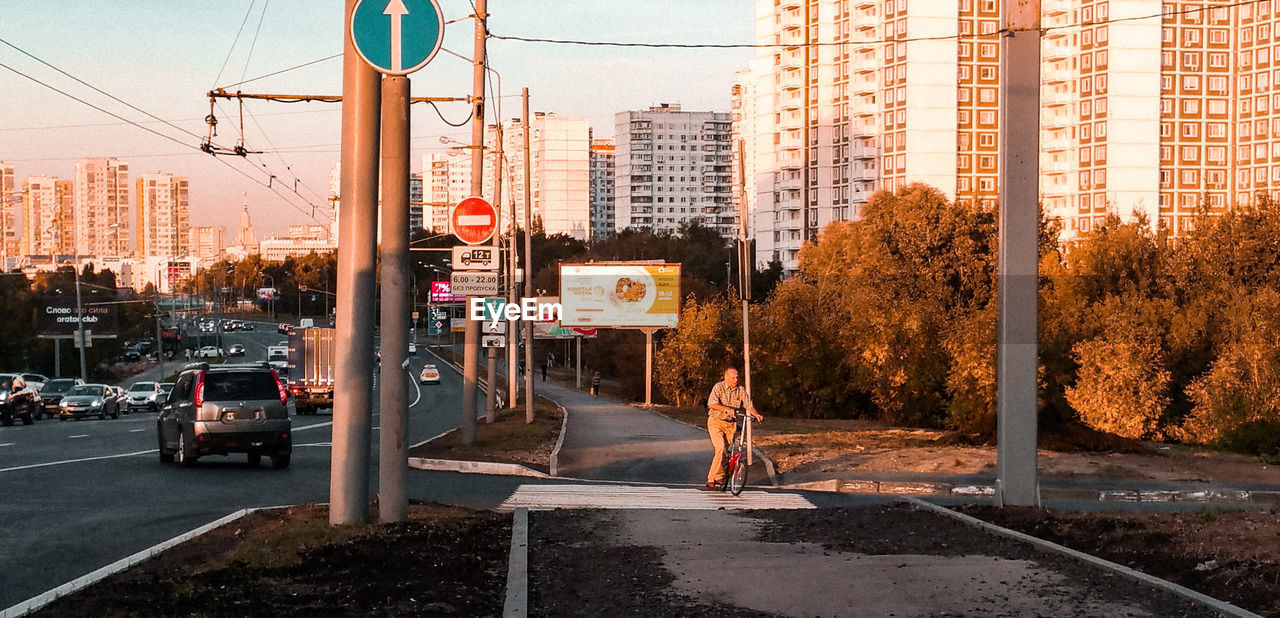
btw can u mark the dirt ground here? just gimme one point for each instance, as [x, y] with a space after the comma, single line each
[289, 562]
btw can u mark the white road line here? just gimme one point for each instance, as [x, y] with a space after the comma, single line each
[83, 435]
[546, 497]
[71, 461]
[315, 444]
[136, 430]
[315, 426]
[8, 444]
[415, 388]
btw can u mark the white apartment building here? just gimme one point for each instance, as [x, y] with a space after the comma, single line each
[162, 215]
[102, 208]
[446, 180]
[10, 206]
[603, 205]
[207, 243]
[673, 167]
[299, 240]
[47, 225]
[559, 173]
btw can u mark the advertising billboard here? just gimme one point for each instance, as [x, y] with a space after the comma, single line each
[56, 317]
[620, 295]
[442, 292]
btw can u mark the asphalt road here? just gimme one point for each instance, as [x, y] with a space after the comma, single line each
[79, 495]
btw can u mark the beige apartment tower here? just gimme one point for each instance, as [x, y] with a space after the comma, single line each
[102, 208]
[162, 215]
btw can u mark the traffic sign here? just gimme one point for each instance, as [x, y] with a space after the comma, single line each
[473, 221]
[466, 257]
[493, 341]
[397, 37]
[474, 283]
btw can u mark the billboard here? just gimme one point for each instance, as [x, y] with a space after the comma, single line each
[56, 317]
[620, 295]
[441, 292]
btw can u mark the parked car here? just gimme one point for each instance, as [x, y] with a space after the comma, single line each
[51, 394]
[235, 350]
[429, 375]
[88, 400]
[209, 351]
[17, 400]
[217, 410]
[142, 396]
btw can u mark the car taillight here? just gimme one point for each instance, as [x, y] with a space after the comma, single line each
[199, 389]
[284, 393]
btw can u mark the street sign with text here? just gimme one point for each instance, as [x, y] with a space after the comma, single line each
[493, 341]
[466, 257]
[474, 283]
[473, 221]
[397, 37]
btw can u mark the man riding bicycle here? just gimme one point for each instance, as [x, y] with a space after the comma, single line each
[726, 399]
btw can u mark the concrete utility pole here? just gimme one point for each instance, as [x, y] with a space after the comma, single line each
[491, 402]
[471, 339]
[513, 336]
[528, 263]
[357, 253]
[1016, 478]
[84, 365]
[393, 451]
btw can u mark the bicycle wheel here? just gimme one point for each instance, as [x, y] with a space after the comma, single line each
[738, 476]
[730, 458]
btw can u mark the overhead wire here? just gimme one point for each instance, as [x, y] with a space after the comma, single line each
[254, 43]
[232, 50]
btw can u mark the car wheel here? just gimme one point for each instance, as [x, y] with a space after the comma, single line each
[255, 459]
[280, 461]
[31, 415]
[165, 455]
[7, 421]
[184, 457]
[152, 408]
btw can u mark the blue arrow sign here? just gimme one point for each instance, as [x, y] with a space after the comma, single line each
[397, 37]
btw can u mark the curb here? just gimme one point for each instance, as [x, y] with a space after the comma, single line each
[1168, 586]
[474, 467]
[34, 603]
[517, 601]
[554, 464]
[925, 488]
[769, 466]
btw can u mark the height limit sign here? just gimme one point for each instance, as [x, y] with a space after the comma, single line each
[397, 37]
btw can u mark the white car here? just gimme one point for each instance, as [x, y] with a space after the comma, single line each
[209, 351]
[429, 375]
[413, 348]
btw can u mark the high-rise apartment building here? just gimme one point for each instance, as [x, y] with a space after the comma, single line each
[102, 208]
[47, 217]
[559, 173]
[10, 205]
[603, 220]
[207, 243]
[674, 167]
[162, 215]
[446, 180]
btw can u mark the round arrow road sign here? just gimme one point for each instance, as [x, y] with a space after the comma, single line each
[397, 37]
[474, 220]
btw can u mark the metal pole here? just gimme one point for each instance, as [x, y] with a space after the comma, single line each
[1016, 478]
[528, 264]
[471, 338]
[491, 393]
[357, 253]
[648, 366]
[513, 336]
[393, 451]
[159, 335]
[577, 357]
[84, 365]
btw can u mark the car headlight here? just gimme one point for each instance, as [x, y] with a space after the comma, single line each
[4, 396]
[96, 404]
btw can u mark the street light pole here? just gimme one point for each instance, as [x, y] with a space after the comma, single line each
[472, 339]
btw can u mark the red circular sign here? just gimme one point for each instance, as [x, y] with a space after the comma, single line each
[474, 220]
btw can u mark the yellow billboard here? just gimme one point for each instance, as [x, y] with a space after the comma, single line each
[620, 295]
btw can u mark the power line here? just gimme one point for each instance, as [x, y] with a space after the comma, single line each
[235, 41]
[88, 125]
[286, 70]
[254, 43]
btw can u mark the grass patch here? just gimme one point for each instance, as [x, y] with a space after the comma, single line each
[507, 440]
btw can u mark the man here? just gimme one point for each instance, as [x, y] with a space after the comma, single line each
[726, 398]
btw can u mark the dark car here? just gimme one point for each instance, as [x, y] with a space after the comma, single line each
[223, 409]
[130, 355]
[51, 394]
[18, 399]
[88, 400]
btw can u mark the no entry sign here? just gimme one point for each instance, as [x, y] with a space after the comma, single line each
[474, 220]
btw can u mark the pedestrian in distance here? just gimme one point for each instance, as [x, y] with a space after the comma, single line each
[543, 366]
[727, 397]
[595, 385]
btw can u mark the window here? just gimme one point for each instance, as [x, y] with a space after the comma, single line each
[1190, 129]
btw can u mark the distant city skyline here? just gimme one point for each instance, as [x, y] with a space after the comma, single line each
[185, 52]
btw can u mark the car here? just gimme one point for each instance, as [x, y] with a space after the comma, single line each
[122, 398]
[247, 326]
[235, 350]
[17, 400]
[163, 395]
[51, 394]
[130, 354]
[429, 375]
[35, 380]
[141, 396]
[209, 351]
[413, 348]
[284, 328]
[218, 410]
[88, 400]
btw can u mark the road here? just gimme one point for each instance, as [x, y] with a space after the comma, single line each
[78, 495]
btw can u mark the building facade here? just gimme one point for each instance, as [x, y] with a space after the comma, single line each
[10, 209]
[560, 190]
[47, 217]
[674, 167]
[603, 220]
[207, 243]
[101, 215]
[162, 215]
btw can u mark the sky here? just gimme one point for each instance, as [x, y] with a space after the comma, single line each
[163, 57]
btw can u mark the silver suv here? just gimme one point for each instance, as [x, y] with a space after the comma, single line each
[222, 409]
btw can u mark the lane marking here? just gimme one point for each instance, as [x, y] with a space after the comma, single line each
[83, 435]
[8, 444]
[315, 426]
[136, 430]
[71, 461]
[545, 497]
[315, 444]
[417, 390]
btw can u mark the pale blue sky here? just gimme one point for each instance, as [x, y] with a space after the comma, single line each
[163, 57]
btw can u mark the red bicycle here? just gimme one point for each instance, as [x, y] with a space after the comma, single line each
[735, 457]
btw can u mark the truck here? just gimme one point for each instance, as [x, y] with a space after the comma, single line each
[311, 358]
